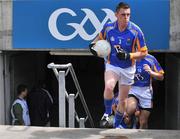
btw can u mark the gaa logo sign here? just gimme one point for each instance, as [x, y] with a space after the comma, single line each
[57, 33]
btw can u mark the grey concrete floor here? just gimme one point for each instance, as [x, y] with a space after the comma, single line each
[20, 132]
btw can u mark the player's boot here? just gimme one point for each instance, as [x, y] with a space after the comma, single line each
[107, 121]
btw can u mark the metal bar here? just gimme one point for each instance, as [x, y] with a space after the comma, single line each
[59, 66]
[81, 123]
[76, 116]
[81, 96]
[69, 67]
[56, 73]
[62, 104]
[76, 95]
[86, 118]
[67, 71]
[71, 110]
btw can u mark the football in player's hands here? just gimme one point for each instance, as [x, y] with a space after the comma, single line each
[101, 48]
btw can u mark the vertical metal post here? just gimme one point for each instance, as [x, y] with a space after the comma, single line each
[71, 98]
[62, 102]
[71, 110]
[81, 122]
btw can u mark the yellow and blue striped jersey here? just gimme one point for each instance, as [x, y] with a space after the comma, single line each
[130, 40]
[142, 77]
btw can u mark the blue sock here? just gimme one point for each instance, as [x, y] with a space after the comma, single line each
[108, 106]
[123, 124]
[118, 119]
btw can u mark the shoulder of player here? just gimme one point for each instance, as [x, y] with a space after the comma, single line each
[150, 58]
[110, 25]
[135, 27]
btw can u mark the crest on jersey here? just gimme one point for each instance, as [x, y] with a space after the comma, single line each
[128, 41]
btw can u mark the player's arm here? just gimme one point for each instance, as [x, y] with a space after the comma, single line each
[139, 55]
[142, 49]
[155, 74]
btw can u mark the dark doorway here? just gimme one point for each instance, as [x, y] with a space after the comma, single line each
[29, 67]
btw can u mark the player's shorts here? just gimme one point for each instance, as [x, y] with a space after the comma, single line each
[126, 76]
[143, 95]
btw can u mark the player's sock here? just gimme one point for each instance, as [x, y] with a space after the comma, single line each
[123, 124]
[108, 106]
[118, 119]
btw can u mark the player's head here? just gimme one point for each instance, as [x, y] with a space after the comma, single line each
[22, 90]
[123, 13]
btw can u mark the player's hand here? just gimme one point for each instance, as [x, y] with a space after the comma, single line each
[122, 55]
[92, 50]
[147, 68]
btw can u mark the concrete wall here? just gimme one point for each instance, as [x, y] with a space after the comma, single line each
[175, 25]
[6, 24]
[1, 27]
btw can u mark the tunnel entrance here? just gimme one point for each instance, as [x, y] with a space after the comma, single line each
[31, 67]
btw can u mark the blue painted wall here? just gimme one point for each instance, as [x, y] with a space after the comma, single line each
[32, 30]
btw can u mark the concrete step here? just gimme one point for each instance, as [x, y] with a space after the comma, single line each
[21, 132]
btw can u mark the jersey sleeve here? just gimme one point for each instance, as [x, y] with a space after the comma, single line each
[157, 67]
[102, 34]
[141, 44]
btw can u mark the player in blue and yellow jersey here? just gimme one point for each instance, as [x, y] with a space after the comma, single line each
[127, 45]
[141, 92]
